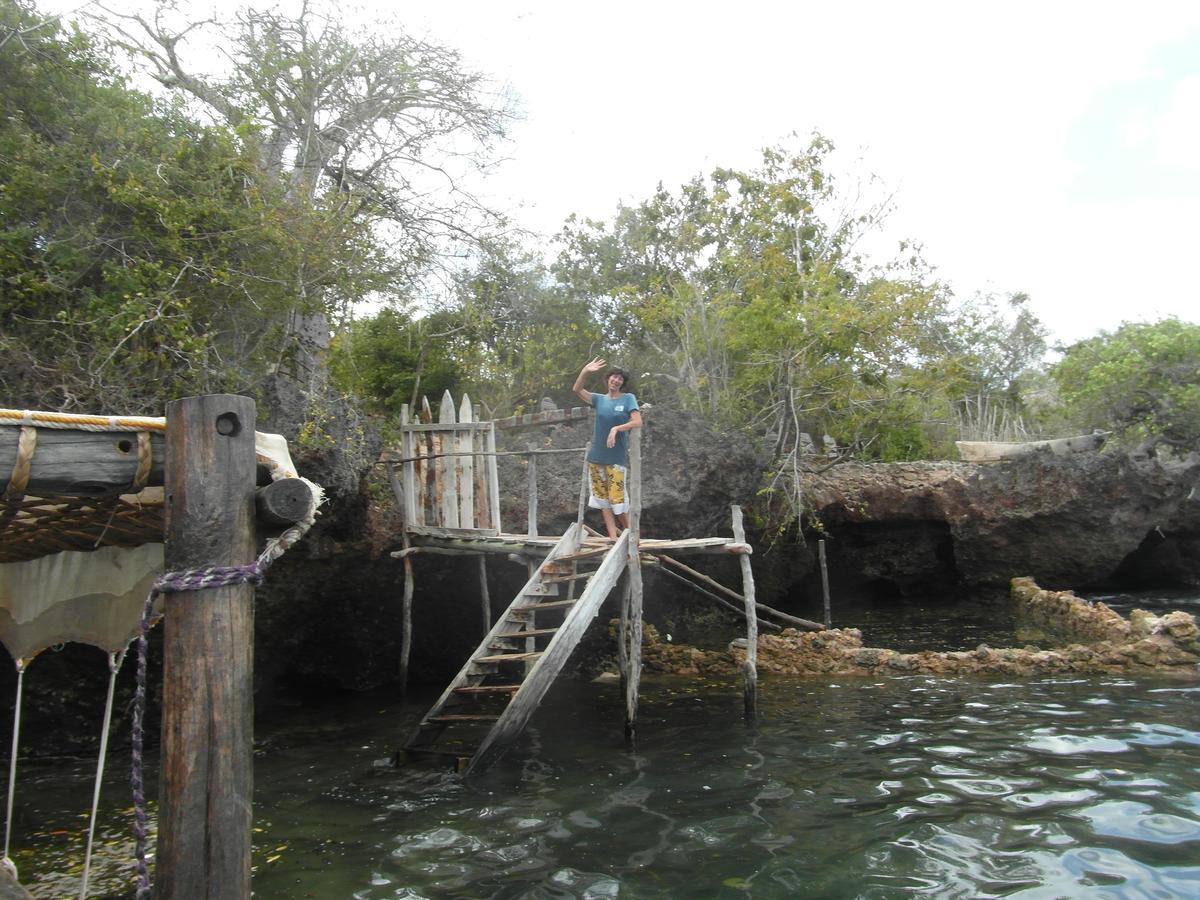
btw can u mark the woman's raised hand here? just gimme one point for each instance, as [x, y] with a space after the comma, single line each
[595, 365]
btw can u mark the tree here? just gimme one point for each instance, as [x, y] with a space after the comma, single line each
[745, 290]
[140, 251]
[365, 126]
[1142, 381]
[525, 336]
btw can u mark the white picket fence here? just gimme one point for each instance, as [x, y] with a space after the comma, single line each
[448, 470]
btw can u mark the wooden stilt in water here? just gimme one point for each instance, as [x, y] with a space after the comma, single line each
[485, 600]
[634, 677]
[407, 514]
[750, 667]
[824, 581]
[206, 784]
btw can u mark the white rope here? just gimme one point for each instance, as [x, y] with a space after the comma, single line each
[77, 422]
[114, 665]
[12, 766]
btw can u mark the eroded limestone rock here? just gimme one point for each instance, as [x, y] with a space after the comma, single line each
[1095, 640]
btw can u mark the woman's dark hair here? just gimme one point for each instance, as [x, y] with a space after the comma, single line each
[624, 373]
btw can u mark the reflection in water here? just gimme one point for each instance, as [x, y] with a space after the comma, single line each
[846, 788]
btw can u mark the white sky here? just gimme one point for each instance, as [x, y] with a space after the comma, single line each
[1049, 147]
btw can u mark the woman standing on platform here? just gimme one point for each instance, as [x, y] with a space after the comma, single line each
[608, 459]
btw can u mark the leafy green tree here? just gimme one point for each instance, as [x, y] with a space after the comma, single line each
[140, 251]
[1142, 381]
[369, 124]
[746, 292]
[390, 359]
[525, 335]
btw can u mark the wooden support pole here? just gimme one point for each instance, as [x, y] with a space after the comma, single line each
[824, 581]
[532, 493]
[206, 784]
[485, 600]
[750, 667]
[583, 486]
[734, 595]
[635, 585]
[762, 623]
[406, 598]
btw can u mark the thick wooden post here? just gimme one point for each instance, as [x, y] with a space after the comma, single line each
[634, 674]
[750, 667]
[204, 814]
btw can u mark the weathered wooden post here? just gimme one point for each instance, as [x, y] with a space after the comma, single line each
[634, 673]
[750, 667]
[206, 783]
[406, 489]
[824, 581]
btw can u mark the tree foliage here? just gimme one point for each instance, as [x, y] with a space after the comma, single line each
[140, 251]
[1142, 381]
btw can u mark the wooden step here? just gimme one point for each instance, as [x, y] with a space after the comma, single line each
[584, 554]
[488, 689]
[508, 657]
[554, 604]
[556, 579]
[532, 632]
[442, 720]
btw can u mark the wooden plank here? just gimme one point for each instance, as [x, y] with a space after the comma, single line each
[509, 657]
[206, 779]
[493, 481]
[528, 632]
[750, 667]
[485, 600]
[426, 444]
[433, 531]
[514, 718]
[489, 689]
[553, 604]
[531, 494]
[80, 463]
[448, 467]
[466, 475]
[465, 718]
[483, 518]
[434, 427]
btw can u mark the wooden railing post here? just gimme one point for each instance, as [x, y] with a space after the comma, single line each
[206, 784]
[750, 667]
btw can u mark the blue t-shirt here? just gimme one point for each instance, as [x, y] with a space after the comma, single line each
[611, 412]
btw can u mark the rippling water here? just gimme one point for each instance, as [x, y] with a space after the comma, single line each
[847, 788]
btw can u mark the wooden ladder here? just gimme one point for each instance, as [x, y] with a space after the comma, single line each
[489, 702]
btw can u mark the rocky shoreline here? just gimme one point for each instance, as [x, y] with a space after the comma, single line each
[1090, 639]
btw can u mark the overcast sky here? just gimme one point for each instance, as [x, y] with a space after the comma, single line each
[1047, 147]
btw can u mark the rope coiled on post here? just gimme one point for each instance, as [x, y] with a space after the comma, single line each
[177, 582]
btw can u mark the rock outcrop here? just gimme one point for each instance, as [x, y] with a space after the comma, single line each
[1096, 641]
[1069, 521]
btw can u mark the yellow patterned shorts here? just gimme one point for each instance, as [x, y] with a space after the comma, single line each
[608, 488]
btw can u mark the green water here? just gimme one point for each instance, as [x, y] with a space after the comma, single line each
[904, 787]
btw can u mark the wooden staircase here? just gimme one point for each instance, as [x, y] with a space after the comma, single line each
[489, 702]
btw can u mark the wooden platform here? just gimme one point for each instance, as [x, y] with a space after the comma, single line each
[455, 540]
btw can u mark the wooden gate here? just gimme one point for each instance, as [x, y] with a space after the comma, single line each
[448, 470]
